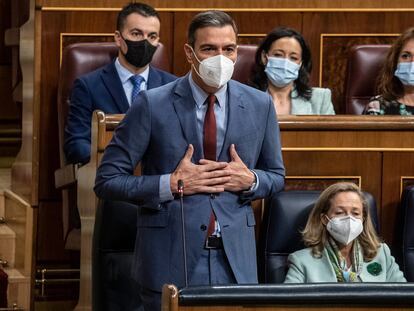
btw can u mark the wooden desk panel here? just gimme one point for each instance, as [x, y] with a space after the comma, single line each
[376, 152]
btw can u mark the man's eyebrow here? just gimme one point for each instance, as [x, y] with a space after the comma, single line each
[137, 29]
[207, 45]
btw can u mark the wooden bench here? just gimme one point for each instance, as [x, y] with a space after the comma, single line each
[102, 131]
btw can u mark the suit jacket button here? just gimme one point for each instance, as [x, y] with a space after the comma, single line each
[203, 227]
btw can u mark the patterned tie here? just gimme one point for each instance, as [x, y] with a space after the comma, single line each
[210, 146]
[136, 81]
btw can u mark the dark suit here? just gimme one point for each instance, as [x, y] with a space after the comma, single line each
[156, 131]
[100, 89]
[114, 289]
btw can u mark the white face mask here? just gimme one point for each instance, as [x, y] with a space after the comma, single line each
[215, 71]
[344, 229]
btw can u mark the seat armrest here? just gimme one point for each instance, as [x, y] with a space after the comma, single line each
[66, 176]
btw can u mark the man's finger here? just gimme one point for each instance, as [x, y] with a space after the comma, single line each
[189, 153]
[233, 153]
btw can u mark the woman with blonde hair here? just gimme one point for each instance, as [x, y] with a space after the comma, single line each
[342, 245]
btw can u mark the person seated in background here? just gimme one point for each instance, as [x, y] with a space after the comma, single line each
[282, 68]
[113, 87]
[396, 80]
[342, 243]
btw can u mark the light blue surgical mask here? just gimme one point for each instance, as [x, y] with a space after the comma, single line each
[405, 72]
[281, 71]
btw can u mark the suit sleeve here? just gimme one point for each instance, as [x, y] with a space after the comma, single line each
[114, 178]
[326, 103]
[394, 273]
[295, 273]
[269, 168]
[77, 146]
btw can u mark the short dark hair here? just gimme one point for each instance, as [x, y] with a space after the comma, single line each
[135, 7]
[389, 86]
[212, 18]
[259, 79]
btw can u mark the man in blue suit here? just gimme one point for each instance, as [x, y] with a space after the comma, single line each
[225, 154]
[111, 88]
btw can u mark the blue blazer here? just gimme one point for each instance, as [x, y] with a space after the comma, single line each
[157, 131]
[304, 268]
[101, 89]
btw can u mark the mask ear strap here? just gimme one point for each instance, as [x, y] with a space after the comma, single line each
[194, 53]
[326, 216]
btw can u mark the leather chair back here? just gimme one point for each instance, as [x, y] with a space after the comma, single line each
[287, 216]
[244, 66]
[407, 210]
[364, 64]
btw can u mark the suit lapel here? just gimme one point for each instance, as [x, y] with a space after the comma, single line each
[236, 109]
[184, 106]
[113, 84]
[154, 79]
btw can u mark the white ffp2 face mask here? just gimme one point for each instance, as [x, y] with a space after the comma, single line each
[215, 71]
[344, 229]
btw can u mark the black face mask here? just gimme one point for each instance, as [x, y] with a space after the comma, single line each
[139, 53]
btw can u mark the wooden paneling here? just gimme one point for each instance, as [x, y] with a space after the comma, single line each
[334, 57]
[245, 4]
[369, 149]
[254, 18]
[250, 33]
[50, 242]
[349, 28]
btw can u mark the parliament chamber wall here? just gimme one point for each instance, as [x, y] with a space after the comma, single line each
[317, 151]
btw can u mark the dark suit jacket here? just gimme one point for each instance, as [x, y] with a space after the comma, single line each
[100, 89]
[156, 131]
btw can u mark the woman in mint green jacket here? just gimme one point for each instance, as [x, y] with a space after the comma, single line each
[342, 243]
[282, 68]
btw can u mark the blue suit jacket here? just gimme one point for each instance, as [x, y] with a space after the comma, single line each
[100, 89]
[156, 131]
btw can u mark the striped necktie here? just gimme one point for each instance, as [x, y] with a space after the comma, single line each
[136, 81]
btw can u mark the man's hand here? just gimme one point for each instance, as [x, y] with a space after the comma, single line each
[241, 178]
[205, 178]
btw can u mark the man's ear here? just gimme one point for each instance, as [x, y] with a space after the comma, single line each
[117, 38]
[188, 53]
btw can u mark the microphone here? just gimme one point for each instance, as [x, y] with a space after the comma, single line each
[180, 187]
